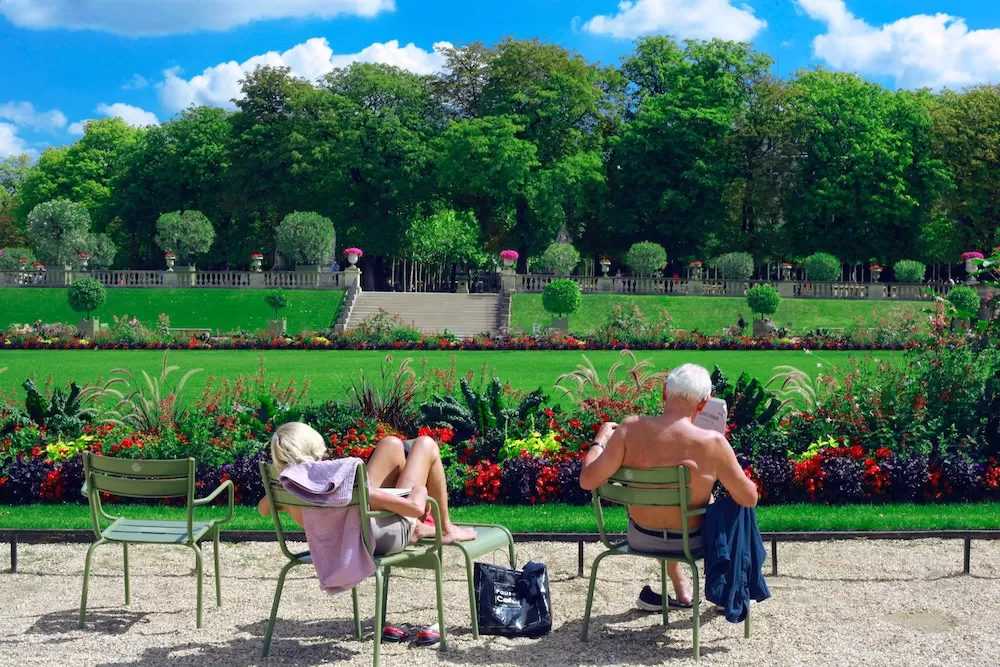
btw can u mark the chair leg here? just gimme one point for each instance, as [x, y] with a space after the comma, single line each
[385, 594]
[274, 607]
[473, 609]
[128, 592]
[357, 613]
[746, 623]
[663, 592]
[439, 584]
[590, 595]
[218, 577]
[86, 581]
[696, 608]
[379, 615]
[199, 568]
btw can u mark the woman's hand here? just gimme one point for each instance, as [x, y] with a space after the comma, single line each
[418, 496]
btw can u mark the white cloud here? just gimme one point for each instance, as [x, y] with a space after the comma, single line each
[684, 19]
[25, 114]
[920, 50]
[76, 129]
[128, 113]
[137, 82]
[10, 143]
[168, 17]
[219, 85]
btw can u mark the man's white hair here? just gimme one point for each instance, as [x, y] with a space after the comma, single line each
[689, 382]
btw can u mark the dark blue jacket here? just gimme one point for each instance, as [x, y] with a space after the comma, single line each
[734, 556]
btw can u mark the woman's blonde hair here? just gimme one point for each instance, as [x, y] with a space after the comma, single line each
[294, 443]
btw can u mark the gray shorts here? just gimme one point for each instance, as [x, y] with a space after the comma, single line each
[664, 542]
[391, 534]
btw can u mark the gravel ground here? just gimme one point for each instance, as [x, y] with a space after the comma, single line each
[841, 603]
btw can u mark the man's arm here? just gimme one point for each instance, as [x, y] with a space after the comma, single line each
[604, 460]
[740, 487]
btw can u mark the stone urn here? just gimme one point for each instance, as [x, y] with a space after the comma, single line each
[255, 262]
[88, 328]
[353, 255]
[876, 274]
[171, 260]
[277, 327]
[605, 266]
[83, 260]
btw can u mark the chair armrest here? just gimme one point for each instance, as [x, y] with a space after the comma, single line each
[436, 513]
[228, 486]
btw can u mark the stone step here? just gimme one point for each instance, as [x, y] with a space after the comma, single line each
[461, 314]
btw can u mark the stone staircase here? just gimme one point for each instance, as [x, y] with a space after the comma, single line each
[464, 315]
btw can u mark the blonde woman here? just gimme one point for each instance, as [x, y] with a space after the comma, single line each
[389, 467]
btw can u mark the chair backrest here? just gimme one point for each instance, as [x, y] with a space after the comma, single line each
[278, 497]
[132, 478]
[649, 487]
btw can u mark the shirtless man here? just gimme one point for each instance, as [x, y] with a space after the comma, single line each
[667, 440]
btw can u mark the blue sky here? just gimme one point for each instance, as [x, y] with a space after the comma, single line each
[66, 61]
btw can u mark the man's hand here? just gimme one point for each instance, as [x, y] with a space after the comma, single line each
[605, 433]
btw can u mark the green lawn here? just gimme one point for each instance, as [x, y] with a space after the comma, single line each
[218, 309]
[331, 372]
[710, 314]
[572, 519]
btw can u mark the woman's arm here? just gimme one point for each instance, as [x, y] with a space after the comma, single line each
[413, 506]
[265, 510]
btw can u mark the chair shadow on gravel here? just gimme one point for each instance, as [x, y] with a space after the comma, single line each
[109, 621]
[640, 646]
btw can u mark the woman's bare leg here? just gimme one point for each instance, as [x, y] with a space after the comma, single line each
[386, 463]
[423, 467]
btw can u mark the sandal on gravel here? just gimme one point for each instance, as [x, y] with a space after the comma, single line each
[396, 634]
[677, 604]
[428, 636]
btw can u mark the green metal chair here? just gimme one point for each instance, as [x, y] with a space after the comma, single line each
[425, 555]
[149, 479]
[654, 487]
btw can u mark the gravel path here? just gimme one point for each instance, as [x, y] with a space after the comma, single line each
[842, 603]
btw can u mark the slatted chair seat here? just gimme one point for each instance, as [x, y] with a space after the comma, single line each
[147, 531]
[150, 479]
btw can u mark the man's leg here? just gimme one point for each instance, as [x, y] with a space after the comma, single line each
[682, 585]
[423, 467]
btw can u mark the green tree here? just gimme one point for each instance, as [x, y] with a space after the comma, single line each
[735, 265]
[822, 266]
[560, 258]
[186, 233]
[58, 229]
[10, 258]
[276, 299]
[763, 300]
[305, 238]
[13, 171]
[86, 296]
[646, 258]
[909, 271]
[561, 297]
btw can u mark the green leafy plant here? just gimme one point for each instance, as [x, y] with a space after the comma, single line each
[763, 299]
[534, 444]
[735, 265]
[390, 399]
[626, 324]
[305, 237]
[10, 258]
[483, 409]
[60, 451]
[86, 296]
[62, 412]
[145, 407]
[749, 401]
[185, 233]
[560, 258]
[562, 297]
[822, 266]
[646, 258]
[276, 299]
[965, 300]
[909, 271]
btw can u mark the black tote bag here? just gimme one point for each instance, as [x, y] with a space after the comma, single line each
[513, 603]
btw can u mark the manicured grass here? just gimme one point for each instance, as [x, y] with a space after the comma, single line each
[217, 309]
[710, 314]
[570, 519]
[331, 372]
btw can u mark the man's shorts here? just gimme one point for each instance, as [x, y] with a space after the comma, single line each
[660, 541]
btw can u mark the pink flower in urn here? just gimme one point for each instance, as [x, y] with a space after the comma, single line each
[256, 255]
[973, 254]
[354, 251]
[509, 255]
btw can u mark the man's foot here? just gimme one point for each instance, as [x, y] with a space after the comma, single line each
[453, 533]
[652, 601]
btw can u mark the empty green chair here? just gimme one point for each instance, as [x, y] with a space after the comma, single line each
[426, 555]
[149, 479]
[654, 487]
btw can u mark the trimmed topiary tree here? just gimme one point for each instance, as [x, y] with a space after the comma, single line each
[305, 238]
[185, 233]
[966, 301]
[560, 258]
[276, 299]
[763, 299]
[646, 258]
[86, 296]
[561, 298]
[735, 265]
[57, 228]
[822, 266]
[909, 271]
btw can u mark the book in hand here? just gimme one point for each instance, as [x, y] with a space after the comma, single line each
[402, 493]
[714, 416]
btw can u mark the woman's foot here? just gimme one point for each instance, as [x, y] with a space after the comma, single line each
[421, 531]
[452, 533]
